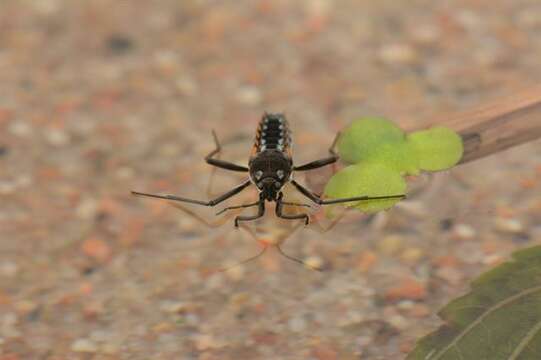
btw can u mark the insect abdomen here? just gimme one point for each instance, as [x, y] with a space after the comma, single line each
[273, 133]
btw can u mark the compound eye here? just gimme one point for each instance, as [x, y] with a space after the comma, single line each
[258, 174]
[280, 174]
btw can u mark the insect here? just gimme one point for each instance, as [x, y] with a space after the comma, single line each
[270, 168]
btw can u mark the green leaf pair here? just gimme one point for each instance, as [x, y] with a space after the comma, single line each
[382, 154]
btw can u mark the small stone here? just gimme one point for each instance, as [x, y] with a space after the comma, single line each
[110, 348]
[235, 273]
[464, 231]
[407, 289]
[187, 86]
[87, 209]
[25, 307]
[450, 274]
[426, 34]
[8, 268]
[125, 172]
[97, 249]
[249, 95]
[7, 187]
[119, 44]
[416, 209]
[366, 261]
[57, 137]
[20, 128]
[399, 322]
[420, 311]
[398, 54]
[8, 323]
[314, 262]
[206, 341]
[510, 226]
[297, 324]
[84, 346]
[175, 307]
[390, 244]
[493, 259]
[412, 255]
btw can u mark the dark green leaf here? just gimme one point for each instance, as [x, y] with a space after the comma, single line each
[499, 319]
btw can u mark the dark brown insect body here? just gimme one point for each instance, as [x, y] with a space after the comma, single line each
[270, 167]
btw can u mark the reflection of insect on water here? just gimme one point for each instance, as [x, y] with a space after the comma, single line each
[270, 167]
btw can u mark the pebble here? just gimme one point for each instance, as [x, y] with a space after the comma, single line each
[84, 346]
[366, 261]
[97, 249]
[412, 255]
[249, 95]
[7, 187]
[399, 322]
[509, 226]
[314, 262]
[297, 324]
[20, 128]
[87, 209]
[25, 307]
[390, 244]
[8, 268]
[187, 86]
[464, 231]
[416, 209]
[426, 34]
[57, 137]
[450, 274]
[407, 289]
[235, 273]
[206, 341]
[175, 307]
[8, 323]
[125, 173]
[398, 54]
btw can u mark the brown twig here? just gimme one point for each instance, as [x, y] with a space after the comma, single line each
[497, 126]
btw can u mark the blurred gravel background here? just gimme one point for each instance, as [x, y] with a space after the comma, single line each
[100, 97]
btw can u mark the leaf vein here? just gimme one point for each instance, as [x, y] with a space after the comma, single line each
[526, 341]
[489, 311]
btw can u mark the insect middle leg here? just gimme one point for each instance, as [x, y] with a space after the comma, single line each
[211, 160]
[321, 162]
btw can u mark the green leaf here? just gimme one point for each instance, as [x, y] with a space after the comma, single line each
[437, 148]
[400, 156]
[360, 140]
[370, 179]
[499, 319]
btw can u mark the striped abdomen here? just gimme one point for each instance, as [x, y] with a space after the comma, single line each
[273, 134]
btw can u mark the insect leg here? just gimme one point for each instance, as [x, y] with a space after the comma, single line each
[221, 163]
[279, 207]
[212, 202]
[321, 201]
[321, 162]
[260, 213]
[237, 207]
